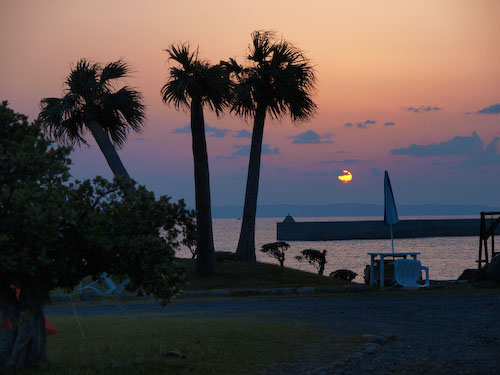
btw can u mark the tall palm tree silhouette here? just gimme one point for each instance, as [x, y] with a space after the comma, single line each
[278, 80]
[192, 85]
[92, 103]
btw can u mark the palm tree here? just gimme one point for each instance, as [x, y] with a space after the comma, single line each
[192, 85]
[278, 80]
[91, 103]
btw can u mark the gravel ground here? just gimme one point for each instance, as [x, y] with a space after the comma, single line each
[429, 334]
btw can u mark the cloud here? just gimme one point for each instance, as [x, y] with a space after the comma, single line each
[212, 131]
[422, 108]
[460, 146]
[185, 130]
[310, 137]
[437, 163]
[345, 162]
[140, 139]
[471, 148]
[242, 134]
[491, 110]
[389, 123]
[360, 125]
[244, 150]
[317, 174]
[376, 172]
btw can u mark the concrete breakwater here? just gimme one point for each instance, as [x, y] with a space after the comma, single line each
[290, 230]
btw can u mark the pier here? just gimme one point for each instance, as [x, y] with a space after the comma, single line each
[291, 230]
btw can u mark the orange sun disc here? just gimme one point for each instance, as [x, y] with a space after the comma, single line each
[346, 177]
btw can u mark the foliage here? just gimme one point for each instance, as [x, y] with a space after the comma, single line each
[189, 237]
[276, 250]
[315, 257]
[195, 79]
[91, 96]
[278, 77]
[54, 232]
[344, 275]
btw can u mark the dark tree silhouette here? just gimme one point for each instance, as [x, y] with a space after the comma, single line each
[278, 80]
[92, 103]
[276, 250]
[192, 85]
[315, 257]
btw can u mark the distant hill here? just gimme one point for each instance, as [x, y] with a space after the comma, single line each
[351, 209]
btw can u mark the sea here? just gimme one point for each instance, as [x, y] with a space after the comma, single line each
[446, 257]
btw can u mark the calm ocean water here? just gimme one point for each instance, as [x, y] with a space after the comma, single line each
[446, 257]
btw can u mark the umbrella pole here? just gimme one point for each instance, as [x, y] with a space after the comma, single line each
[392, 240]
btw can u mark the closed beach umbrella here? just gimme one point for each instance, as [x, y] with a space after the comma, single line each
[390, 211]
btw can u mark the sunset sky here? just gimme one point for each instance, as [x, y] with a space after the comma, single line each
[412, 87]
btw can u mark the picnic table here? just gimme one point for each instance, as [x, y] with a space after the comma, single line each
[379, 257]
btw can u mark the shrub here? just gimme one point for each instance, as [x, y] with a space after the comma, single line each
[315, 257]
[276, 250]
[344, 275]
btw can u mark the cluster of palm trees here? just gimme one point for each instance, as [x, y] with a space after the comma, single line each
[277, 80]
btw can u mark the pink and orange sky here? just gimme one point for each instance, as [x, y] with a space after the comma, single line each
[407, 86]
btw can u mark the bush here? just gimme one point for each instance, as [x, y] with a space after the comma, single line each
[315, 257]
[343, 275]
[276, 250]
[54, 232]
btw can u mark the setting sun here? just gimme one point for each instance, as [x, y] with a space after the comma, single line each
[346, 177]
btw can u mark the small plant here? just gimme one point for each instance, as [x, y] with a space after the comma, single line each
[315, 257]
[344, 275]
[276, 250]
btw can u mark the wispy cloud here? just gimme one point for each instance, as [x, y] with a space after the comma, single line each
[242, 134]
[376, 172]
[344, 162]
[311, 137]
[493, 109]
[317, 174]
[423, 108]
[244, 150]
[360, 125]
[212, 131]
[389, 123]
[469, 147]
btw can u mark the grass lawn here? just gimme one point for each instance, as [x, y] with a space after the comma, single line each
[242, 275]
[137, 345]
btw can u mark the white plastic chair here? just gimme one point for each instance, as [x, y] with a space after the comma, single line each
[111, 286]
[408, 271]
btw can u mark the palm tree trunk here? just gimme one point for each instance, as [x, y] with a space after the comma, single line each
[108, 150]
[205, 263]
[246, 244]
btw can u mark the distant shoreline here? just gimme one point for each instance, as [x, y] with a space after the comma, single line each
[351, 209]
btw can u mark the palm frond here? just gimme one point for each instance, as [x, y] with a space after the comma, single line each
[91, 96]
[196, 79]
[279, 78]
[63, 120]
[114, 70]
